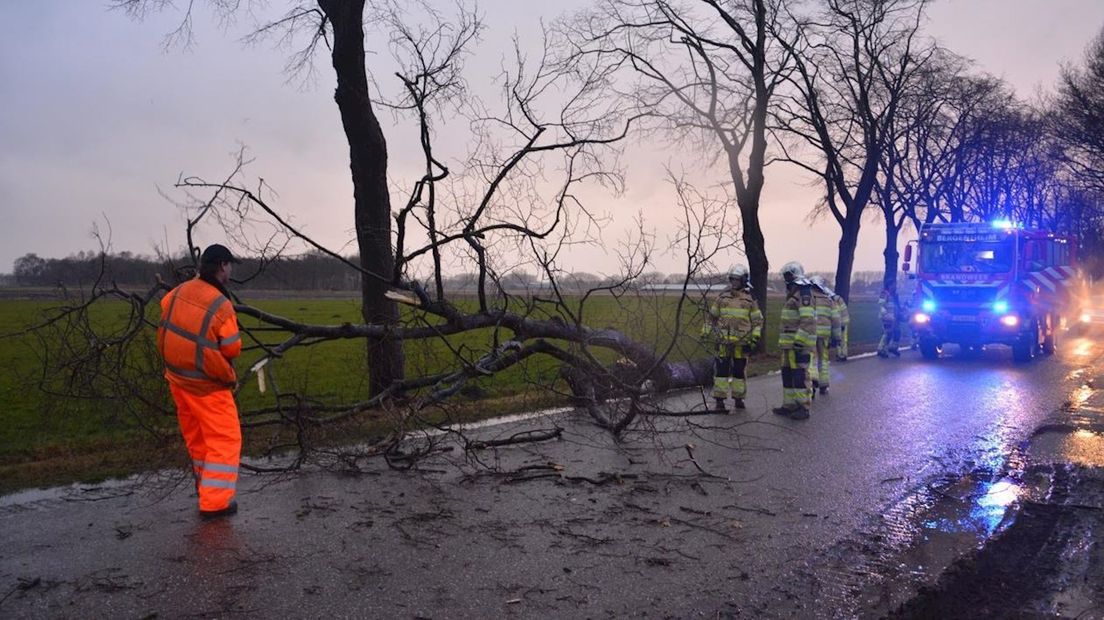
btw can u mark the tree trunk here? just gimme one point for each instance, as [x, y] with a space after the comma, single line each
[849, 240]
[368, 164]
[756, 253]
[749, 193]
[890, 253]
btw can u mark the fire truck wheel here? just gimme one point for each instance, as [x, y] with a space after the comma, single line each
[930, 349]
[1025, 348]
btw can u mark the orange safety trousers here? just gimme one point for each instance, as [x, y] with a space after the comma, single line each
[209, 424]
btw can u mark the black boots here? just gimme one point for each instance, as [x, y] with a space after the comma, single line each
[737, 403]
[794, 413]
[225, 512]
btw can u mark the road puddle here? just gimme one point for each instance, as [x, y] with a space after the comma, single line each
[954, 517]
[936, 525]
[972, 507]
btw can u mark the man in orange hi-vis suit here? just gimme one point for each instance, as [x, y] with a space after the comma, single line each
[198, 337]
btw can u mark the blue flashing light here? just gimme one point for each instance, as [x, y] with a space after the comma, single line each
[928, 305]
[1004, 224]
[1000, 307]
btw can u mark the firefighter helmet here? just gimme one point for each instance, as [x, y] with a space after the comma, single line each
[822, 284]
[738, 271]
[792, 271]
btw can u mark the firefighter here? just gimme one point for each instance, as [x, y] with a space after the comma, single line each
[796, 340]
[734, 324]
[198, 339]
[827, 332]
[889, 311]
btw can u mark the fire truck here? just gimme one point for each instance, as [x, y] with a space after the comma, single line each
[978, 284]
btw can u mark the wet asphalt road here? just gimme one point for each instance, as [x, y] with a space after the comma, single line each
[903, 467]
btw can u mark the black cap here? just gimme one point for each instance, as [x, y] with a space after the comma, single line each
[216, 253]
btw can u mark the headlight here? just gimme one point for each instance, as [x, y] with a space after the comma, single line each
[1086, 317]
[1010, 320]
[920, 318]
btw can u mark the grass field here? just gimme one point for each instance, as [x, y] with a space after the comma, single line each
[47, 439]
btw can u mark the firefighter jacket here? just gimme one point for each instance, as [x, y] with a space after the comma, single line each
[827, 315]
[841, 307]
[797, 329]
[734, 318]
[198, 337]
[889, 309]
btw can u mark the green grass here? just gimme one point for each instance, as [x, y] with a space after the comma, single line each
[46, 439]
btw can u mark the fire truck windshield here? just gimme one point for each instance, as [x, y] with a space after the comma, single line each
[966, 256]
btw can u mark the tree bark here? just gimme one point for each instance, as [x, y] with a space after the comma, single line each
[849, 240]
[890, 253]
[372, 201]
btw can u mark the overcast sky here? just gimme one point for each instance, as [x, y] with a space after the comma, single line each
[96, 120]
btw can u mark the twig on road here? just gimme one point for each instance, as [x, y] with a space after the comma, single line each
[529, 436]
[690, 452]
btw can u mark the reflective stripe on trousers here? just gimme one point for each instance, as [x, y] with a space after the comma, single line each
[212, 433]
[824, 353]
[891, 336]
[796, 389]
[730, 373]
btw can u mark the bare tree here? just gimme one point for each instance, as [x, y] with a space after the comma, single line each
[921, 143]
[1077, 121]
[707, 70]
[1080, 114]
[854, 61]
[339, 25]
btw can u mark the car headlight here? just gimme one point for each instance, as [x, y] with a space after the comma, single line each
[1010, 320]
[920, 318]
[1086, 317]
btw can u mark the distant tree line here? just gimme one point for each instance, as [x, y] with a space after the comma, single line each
[311, 271]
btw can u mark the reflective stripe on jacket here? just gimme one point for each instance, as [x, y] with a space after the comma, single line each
[736, 317]
[827, 315]
[841, 306]
[888, 308]
[198, 336]
[797, 327]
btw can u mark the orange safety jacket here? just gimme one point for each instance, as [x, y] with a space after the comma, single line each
[197, 337]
